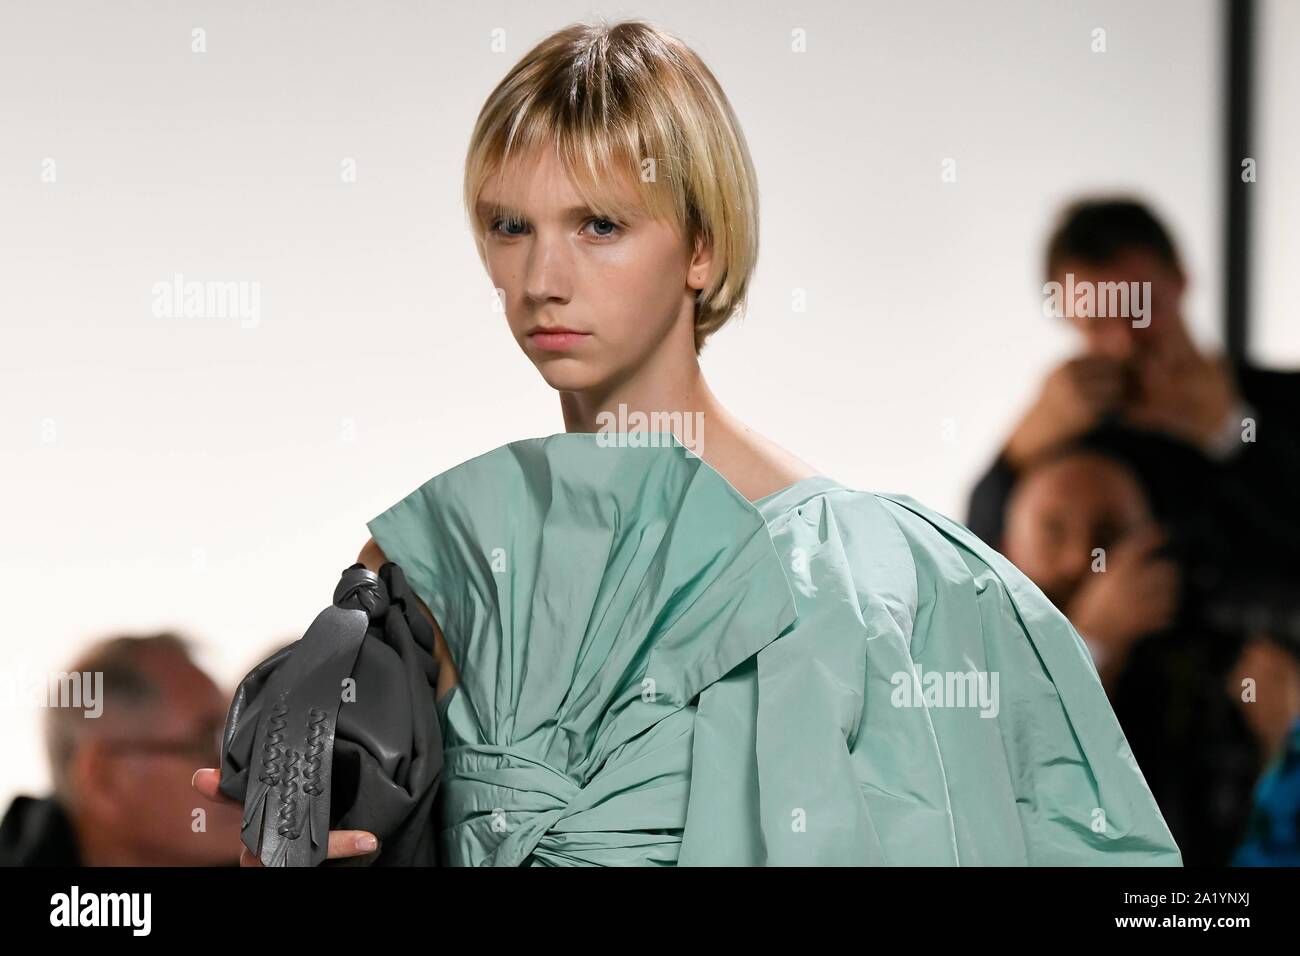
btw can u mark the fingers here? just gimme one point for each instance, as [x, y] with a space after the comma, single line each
[1161, 589]
[206, 781]
[343, 845]
[1152, 593]
[1099, 381]
[349, 843]
[1145, 585]
[1140, 544]
[1097, 370]
[1091, 385]
[1155, 579]
[1096, 365]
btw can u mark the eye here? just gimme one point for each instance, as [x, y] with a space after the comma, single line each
[1053, 531]
[602, 222]
[510, 222]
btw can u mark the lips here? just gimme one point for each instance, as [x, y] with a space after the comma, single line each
[554, 330]
[557, 338]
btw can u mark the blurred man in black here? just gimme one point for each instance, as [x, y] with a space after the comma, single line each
[1214, 444]
[122, 794]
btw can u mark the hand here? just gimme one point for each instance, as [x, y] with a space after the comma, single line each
[1182, 393]
[1135, 596]
[1275, 704]
[1073, 399]
[343, 843]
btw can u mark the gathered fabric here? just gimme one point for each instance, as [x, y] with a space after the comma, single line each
[656, 671]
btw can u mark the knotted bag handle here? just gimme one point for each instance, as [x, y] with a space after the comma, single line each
[286, 818]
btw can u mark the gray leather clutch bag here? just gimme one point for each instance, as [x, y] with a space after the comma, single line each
[339, 731]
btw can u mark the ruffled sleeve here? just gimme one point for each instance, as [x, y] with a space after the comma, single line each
[930, 707]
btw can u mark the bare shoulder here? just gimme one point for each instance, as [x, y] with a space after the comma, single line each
[783, 465]
[757, 466]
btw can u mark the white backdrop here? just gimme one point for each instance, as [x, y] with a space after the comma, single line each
[1275, 277]
[198, 475]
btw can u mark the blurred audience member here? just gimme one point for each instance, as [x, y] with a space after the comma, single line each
[122, 794]
[1216, 444]
[1080, 526]
[1267, 682]
[1079, 513]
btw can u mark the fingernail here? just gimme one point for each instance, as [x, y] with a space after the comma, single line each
[366, 843]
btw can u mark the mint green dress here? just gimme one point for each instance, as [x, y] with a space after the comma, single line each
[654, 671]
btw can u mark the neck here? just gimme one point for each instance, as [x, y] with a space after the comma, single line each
[666, 383]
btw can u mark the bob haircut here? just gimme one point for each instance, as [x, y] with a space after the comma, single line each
[630, 101]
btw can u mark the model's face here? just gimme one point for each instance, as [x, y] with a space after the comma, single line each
[1116, 337]
[622, 287]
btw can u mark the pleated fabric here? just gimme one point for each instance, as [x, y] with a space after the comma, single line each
[588, 594]
[655, 671]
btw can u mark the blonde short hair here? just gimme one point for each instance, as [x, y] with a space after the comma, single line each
[631, 98]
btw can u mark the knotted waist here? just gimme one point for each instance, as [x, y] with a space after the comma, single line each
[502, 806]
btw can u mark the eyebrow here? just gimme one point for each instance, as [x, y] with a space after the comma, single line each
[487, 209]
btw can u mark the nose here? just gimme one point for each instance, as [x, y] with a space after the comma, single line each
[1076, 560]
[547, 273]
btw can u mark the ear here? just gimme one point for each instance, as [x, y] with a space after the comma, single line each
[700, 269]
[1181, 285]
[94, 778]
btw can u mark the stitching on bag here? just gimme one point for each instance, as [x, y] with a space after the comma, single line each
[273, 751]
[318, 727]
[289, 823]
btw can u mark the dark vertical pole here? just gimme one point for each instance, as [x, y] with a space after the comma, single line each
[1240, 55]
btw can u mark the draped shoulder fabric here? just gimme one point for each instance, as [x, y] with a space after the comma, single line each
[930, 707]
[654, 670]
